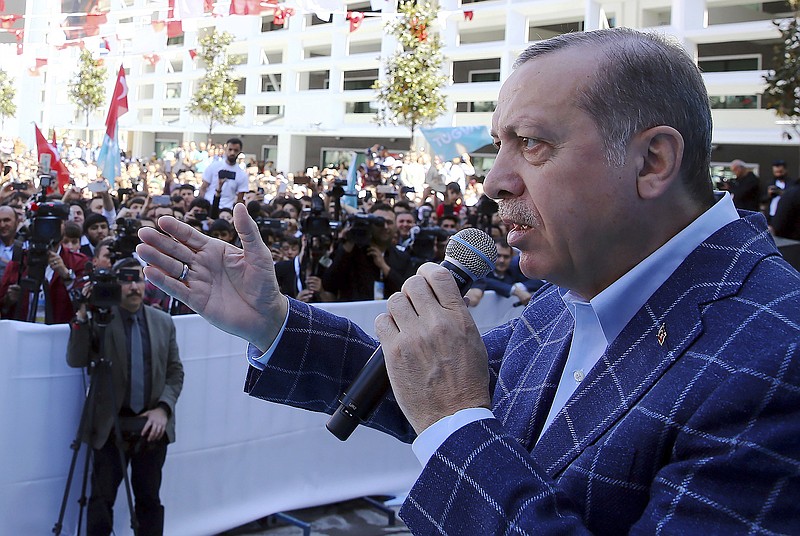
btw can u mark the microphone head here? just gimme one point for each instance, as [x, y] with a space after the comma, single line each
[474, 250]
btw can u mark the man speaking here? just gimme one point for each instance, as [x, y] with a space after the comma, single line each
[651, 386]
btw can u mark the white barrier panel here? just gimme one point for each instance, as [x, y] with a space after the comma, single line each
[236, 458]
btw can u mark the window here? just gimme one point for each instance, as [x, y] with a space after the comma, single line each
[241, 86]
[313, 20]
[722, 64]
[268, 24]
[173, 90]
[364, 47]
[734, 102]
[362, 79]
[476, 107]
[171, 115]
[270, 82]
[177, 40]
[486, 75]
[318, 79]
[364, 107]
[546, 31]
[174, 65]
[269, 110]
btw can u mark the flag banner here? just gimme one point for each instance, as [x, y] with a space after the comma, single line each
[350, 196]
[108, 161]
[56, 165]
[450, 142]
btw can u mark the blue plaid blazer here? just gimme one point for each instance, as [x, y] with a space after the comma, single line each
[688, 424]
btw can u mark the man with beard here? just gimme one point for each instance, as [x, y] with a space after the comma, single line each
[651, 386]
[147, 375]
[225, 178]
[8, 232]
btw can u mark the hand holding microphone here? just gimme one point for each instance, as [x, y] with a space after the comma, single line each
[430, 327]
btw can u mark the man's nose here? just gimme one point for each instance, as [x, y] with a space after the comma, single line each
[504, 181]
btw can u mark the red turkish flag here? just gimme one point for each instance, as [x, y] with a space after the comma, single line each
[192, 53]
[42, 147]
[468, 15]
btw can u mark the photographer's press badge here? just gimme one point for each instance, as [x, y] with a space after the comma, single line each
[378, 290]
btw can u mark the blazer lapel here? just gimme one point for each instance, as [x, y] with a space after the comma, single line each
[653, 340]
[528, 379]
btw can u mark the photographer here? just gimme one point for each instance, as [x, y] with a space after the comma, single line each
[226, 178]
[35, 285]
[141, 353]
[365, 265]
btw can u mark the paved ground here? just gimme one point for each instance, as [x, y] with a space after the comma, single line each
[350, 518]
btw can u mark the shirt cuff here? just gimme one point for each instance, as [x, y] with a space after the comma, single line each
[254, 355]
[433, 436]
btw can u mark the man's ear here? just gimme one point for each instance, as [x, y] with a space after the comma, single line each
[660, 152]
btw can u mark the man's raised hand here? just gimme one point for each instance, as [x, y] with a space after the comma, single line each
[234, 289]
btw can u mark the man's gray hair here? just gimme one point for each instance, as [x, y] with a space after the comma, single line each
[643, 80]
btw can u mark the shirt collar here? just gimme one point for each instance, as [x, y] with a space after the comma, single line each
[616, 305]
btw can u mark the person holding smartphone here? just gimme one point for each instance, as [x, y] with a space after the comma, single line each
[226, 178]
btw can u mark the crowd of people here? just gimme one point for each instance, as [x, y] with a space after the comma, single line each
[328, 244]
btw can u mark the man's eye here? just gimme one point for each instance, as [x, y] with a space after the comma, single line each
[529, 143]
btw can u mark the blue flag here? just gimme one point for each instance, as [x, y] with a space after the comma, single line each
[448, 143]
[108, 160]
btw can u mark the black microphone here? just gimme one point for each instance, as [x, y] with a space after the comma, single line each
[470, 255]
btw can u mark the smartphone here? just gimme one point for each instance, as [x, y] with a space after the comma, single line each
[19, 185]
[6, 169]
[162, 201]
[97, 186]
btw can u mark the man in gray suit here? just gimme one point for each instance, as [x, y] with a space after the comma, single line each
[141, 354]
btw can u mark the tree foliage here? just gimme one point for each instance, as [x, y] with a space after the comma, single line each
[7, 94]
[215, 95]
[411, 93]
[783, 84]
[86, 90]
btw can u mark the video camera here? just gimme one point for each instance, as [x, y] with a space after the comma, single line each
[315, 221]
[127, 239]
[423, 241]
[225, 174]
[361, 228]
[43, 233]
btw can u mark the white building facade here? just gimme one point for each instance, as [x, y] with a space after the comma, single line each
[305, 85]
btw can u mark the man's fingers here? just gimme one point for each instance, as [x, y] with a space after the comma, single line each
[168, 284]
[182, 232]
[247, 229]
[153, 240]
[442, 284]
[166, 263]
[402, 311]
[385, 326]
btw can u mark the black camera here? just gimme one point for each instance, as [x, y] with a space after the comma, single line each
[272, 224]
[361, 228]
[127, 239]
[106, 290]
[315, 222]
[43, 233]
[424, 239]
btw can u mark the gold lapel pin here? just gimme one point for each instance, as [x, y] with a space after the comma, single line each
[662, 334]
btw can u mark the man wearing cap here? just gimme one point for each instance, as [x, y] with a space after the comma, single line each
[779, 182]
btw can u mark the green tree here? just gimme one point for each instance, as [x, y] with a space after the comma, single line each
[411, 93]
[87, 88]
[215, 95]
[783, 84]
[7, 94]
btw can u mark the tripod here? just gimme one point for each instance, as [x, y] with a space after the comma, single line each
[97, 368]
